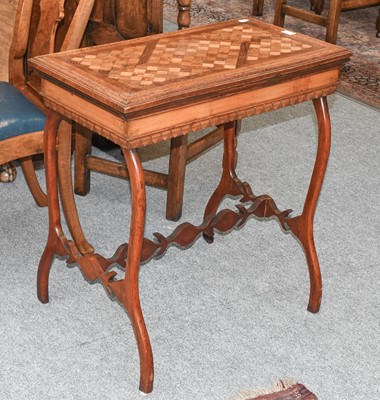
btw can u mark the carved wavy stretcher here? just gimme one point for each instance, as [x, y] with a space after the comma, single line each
[96, 267]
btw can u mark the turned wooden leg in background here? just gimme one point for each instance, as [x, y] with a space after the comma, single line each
[83, 148]
[176, 178]
[258, 6]
[178, 148]
[302, 226]
[183, 18]
[130, 284]
[333, 17]
[279, 15]
[329, 21]
[53, 245]
[317, 6]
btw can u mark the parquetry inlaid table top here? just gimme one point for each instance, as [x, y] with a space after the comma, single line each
[148, 90]
[161, 73]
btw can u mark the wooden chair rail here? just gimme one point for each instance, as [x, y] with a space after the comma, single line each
[329, 21]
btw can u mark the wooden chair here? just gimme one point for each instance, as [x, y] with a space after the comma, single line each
[146, 19]
[329, 21]
[258, 7]
[22, 112]
[21, 137]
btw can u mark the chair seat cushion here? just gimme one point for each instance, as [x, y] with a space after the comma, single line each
[18, 115]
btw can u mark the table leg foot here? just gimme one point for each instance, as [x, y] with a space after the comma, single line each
[307, 240]
[43, 274]
[127, 290]
[302, 226]
[53, 245]
[303, 229]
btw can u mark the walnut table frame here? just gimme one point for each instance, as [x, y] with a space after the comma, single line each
[156, 88]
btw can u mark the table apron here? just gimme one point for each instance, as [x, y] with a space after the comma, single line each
[133, 131]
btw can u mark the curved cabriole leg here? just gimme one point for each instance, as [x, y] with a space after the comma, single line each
[53, 245]
[306, 219]
[130, 285]
[66, 189]
[229, 183]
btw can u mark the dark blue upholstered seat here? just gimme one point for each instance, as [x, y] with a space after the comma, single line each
[17, 114]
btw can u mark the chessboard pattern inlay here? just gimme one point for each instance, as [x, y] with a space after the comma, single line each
[170, 58]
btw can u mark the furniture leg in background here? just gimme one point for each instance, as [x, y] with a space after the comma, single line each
[258, 7]
[329, 21]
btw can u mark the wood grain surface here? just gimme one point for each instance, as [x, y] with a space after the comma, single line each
[7, 15]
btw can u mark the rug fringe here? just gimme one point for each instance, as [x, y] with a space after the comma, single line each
[280, 384]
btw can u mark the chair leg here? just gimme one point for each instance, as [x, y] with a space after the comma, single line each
[83, 146]
[176, 178]
[258, 6]
[317, 6]
[32, 181]
[279, 15]
[183, 18]
[333, 21]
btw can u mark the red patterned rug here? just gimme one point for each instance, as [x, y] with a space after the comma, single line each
[360, 77]
[283, 389]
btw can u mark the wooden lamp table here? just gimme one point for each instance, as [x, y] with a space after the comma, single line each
[156, 88]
